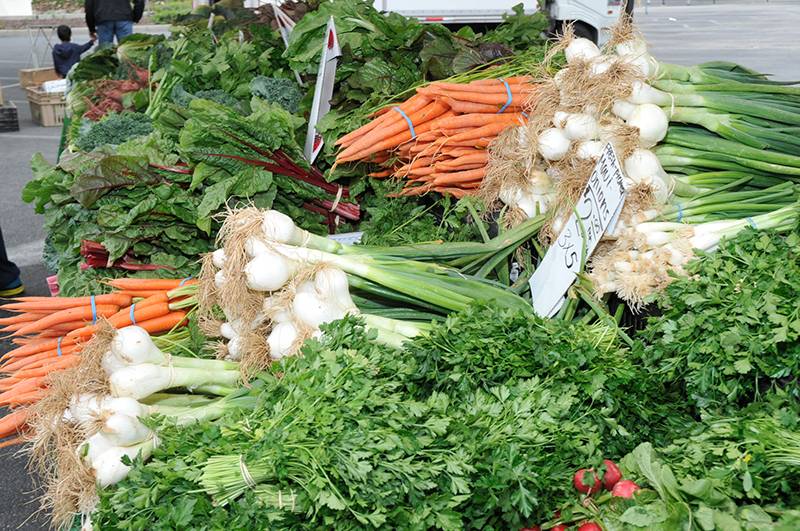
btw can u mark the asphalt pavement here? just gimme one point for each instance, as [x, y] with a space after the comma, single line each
[760, 35]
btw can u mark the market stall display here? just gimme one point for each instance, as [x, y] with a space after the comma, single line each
[410, 381]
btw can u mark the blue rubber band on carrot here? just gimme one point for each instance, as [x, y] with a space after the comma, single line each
[185, 280]
[133, 319]
[510, 97]
[408, 121]
[58, 346]
[94, 310]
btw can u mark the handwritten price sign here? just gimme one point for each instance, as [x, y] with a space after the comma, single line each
[596, 211]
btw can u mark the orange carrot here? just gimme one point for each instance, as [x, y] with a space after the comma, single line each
[48, 366]
[21, 318]
[481, 157]
[411, 105]
[37, 347]
[34, 358]
[467, 107]
[141, 293]
[419, 172]
[489, 130]
[457, 177]
[24, 386]
[417, 190]
[486, 98]
[159, 297]
[380, 174]
[68, 326]
[14, 327]
[83, 313]
[164, 323]
[12, 422]
[12, 442]
[498, 88]
[63, 303]
[385, 136]
[458, 193]
[26, 399]
[474, 120]
[461, 167]
[150, 284]
[8, 383]
[123, 319]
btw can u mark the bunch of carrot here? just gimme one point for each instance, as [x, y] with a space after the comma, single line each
[49, 333]
[437, 140]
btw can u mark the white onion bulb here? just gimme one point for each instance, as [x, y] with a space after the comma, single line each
[553, 144]
[581, 49]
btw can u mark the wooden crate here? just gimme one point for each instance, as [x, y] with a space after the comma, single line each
[47, 109]
[31, 77]
[9, 119]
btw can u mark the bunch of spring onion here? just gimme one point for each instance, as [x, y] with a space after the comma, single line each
[107, 401]
[733, 163]
[299, 281]
[646, 253]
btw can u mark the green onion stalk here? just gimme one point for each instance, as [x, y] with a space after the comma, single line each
[648, 252]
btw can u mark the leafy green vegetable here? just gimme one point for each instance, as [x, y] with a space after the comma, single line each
[670, 500]
[730, 329]
[182, 98]
[467, 428]
[113, 130]
[402, 220]
[284, 92]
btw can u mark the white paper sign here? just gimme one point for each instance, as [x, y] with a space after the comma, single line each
[596, 211]
[323, 92]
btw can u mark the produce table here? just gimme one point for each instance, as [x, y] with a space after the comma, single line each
[573, 301]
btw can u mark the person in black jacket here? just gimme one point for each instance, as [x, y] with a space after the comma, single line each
[109, 18]
[66, 53]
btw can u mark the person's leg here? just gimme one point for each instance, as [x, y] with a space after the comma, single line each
[10, 283]
[105, 33]
[123, 28]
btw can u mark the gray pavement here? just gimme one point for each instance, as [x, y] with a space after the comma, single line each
[759, 35]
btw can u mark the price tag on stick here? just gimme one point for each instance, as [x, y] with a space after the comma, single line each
[596, 211]
[323, 92]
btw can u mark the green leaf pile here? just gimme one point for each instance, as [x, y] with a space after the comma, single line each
[730, 329]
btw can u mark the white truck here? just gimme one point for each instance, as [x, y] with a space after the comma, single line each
[590, 17]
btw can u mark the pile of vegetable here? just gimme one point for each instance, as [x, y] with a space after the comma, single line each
[219, 120]
[406, 382]
[735, 170]
[50, 334]
[437, 139]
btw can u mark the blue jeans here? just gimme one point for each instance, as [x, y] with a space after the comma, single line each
[106, 31]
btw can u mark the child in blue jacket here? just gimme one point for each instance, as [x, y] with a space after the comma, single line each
[66, 53]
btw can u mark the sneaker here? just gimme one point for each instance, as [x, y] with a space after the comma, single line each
[16, 287]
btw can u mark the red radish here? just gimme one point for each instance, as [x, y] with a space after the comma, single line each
[559, 527]
[612, 474]
[625, 489]
[579, 481]
[590, 526]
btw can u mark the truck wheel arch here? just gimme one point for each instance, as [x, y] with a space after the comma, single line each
[581, 29]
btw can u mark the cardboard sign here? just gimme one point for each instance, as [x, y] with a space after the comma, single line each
[596, 211]
[285, 27]
[323, 92]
